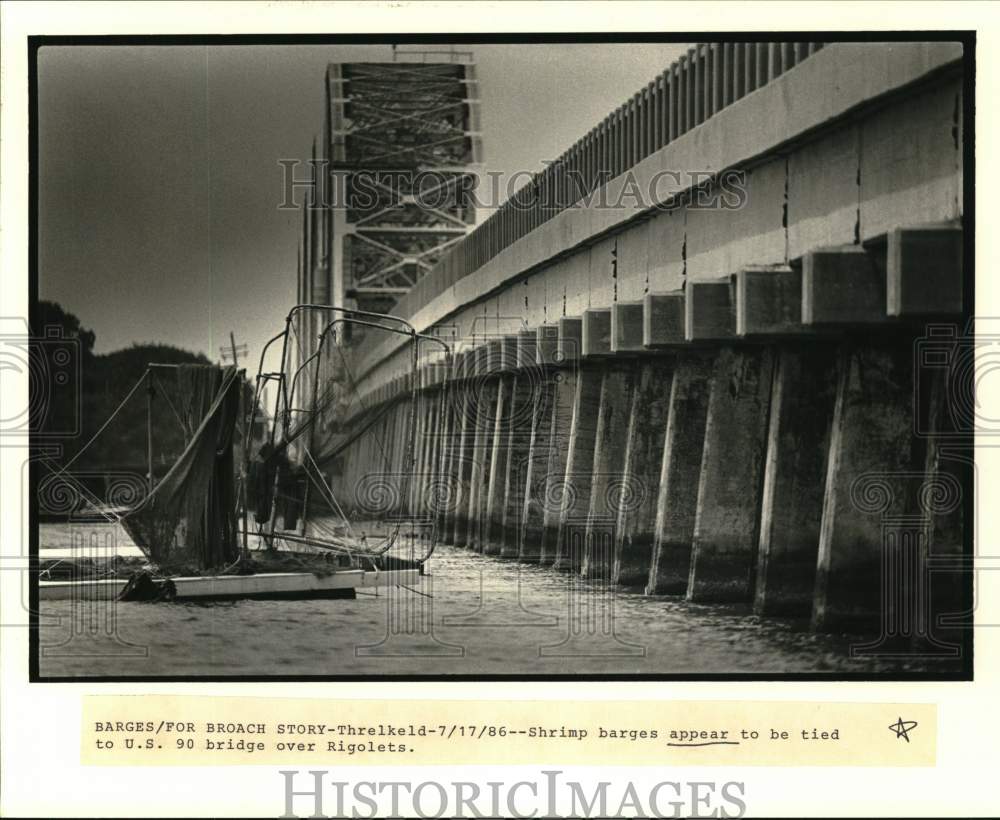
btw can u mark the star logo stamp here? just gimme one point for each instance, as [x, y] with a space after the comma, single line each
[902, 728]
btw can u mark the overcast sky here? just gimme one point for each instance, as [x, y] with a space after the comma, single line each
[160, 183]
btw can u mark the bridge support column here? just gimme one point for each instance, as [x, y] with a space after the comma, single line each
[432, 443]
[421, 436]
[394, 462]
[503, 361]
[560, 433]
[680, 473]
[607, 480]
[539, 449]
[383, 465]
[363, 479]
[723, 555]
[401, 434]
[384, 456]
[647, 427]
[574, 492]
[431, 440]
[447, 484]
[595, 335]
[465, 409]
[802, 401]
[411, 457]
[946, 503]
[527, 392]
[869, 477]
[340, 480]
[406, 432]
[487, 387]
[471, 456]
[439, 485]
[560, 425]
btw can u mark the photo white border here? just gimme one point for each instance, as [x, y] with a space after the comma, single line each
[39, 723]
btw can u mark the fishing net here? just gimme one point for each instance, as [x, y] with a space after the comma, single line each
[189, 519]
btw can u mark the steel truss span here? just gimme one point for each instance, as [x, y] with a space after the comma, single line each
[394, 177]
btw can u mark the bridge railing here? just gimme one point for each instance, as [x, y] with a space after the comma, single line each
[709, 77]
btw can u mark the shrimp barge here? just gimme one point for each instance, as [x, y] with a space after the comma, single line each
[265, 524]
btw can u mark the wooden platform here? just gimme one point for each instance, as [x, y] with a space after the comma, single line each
[238, 586]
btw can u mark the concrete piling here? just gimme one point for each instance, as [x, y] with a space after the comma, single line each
[635, 529]
[568, 347]
[573, 494]
[440, 489]
[798, 442]
[470, 407]
[680, 474]
[419, 417]
[487, 394]
[558, 438]
[527, 393]
[448, 486]
[465, 404]
[574, 508]
[422, 446]
[868, 480]
[504, 364]
[432, 443]
[531, 530]
[723, 554]
[607, 486]
[946, 503]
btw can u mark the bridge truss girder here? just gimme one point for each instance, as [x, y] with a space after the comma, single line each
[404, 135]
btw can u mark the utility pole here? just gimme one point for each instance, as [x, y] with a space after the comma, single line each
[234, 352]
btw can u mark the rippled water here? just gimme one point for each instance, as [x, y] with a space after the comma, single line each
[472, 615]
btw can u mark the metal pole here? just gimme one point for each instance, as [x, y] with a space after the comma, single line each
[314, 412]
[246, 523]
[244, 460]
[232, 344]
[282, 394]
[149, 431]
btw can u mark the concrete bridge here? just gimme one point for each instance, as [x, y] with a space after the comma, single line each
[707, 352]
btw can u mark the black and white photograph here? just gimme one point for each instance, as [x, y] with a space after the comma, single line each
[559, 357]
